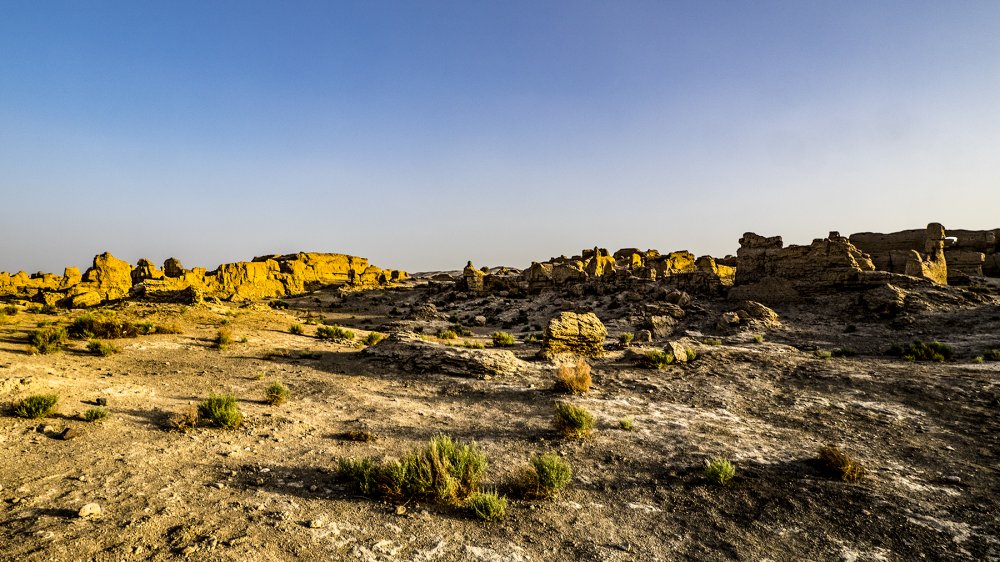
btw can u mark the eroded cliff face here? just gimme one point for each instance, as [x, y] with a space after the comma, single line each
[110, 278]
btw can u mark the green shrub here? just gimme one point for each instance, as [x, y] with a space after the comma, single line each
[447, 335]
[626, 423]
[839, 464]
[488, 506]
[146, 328]
[978, 359]
[691, 354]
[101, 348]
[443, 470]
[95, 414]
[657, 359]
[220, 411]
[626, 338]
[823, 354]
[992, 355]
[36, 406]
[546, 476]
[503, 339]
[719, 470]
[335, 333]
[573, 421]
[89, 326]
[373, 338]
[295, 329]
[712, 341]
[920, 351]
[276, 394]
[532, 338]
[223, 338]
[47, 340]
[758, 338]
[472, 345]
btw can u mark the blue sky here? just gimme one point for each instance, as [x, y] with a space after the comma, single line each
[423, 134]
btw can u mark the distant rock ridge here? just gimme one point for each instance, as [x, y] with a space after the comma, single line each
[110, 279]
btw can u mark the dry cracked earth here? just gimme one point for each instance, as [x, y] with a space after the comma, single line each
[927, 434]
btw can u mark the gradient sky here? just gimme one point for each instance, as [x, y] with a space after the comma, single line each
[421, 134]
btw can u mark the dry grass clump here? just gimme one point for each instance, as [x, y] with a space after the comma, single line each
[105, 327]
[47, 340]
[719, 471]
[101, 348]
[95, 414]
[920, 351]
[223, 338]
[35, 407]
[169, 328]
[296, 329]
[573, 421]
[574, 379]
[335, 333]
[840, 464]
[276, 394]
[360, 435]
[447, 335]
[626, 338]
[220, 411]
[503, 339]
[626, 423]
[184, 420]
[488, 506]
[444, 470]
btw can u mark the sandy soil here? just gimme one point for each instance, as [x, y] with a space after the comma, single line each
[926, 432]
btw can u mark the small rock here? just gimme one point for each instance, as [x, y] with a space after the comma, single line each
[101, 401]
[952, 479]
[317, 523]
[69, 433]
[90, 510]
[400, 510]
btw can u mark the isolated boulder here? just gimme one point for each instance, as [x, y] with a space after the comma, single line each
[109, 276]
[411, 353]
[569, 332]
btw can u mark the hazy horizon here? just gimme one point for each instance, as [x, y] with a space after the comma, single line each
[422, 135]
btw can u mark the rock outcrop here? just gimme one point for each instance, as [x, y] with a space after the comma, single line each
[569, 332]
[919, 253]
[411, 353]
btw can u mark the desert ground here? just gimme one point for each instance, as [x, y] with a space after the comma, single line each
[765, 396]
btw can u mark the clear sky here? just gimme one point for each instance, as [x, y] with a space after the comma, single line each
[421, 134]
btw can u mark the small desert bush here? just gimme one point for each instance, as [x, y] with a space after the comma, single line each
[472, 345]
[170, 328]
[758, 338]
[719, 471]
[223, 338]
[992, 355]
[296, 329]
[657, 359]
[276, 394]
[503, 339]
[532, 338]
[545, 476]
[920, 351]
[36, 406]
[840, 464]
[373, 338]
[47, 340]
[101, 348]
[843, 352]
[335, 333]
[360, 435]
[220, 411]
[691, 354]
[626, 338]
[978, 359]
[575, 379]
[89, 326]
[712, 341]
[626, 423]
[444, 470]
[573, 421]
[184, 420]
[9, 310]
[146, 328]
[95, 414]
[488, 506]
[447, 335]
[821, 354]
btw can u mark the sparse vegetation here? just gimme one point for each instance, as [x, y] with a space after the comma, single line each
[47, 340]
[978, 359]
[296, 329]
[626, 338]
[822, 354]
[719, 471]
[843, 352]
[373, 338]
[334, 333]
[101, 348]
[95, 414]
[712, 341]
[758, 338]
[839, 464]
[657, 359]
[89, 326]
[691, 354]
[444, 470]
[184, 420]
[447, 335]
[220, 411]
[574, 379]
[626, 423]
[488, 506]
[532, 338]
[223, 338]
[360, 435]
[545, 476]
[920, 351]
[170, 328]
[503, 339]
[36, 406]
[573, 421]
[992, 355]
[276, 394]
